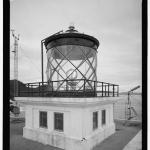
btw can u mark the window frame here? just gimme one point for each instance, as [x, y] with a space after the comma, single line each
[41, 121]
[103, 112]
[56, 120]
[95, 120]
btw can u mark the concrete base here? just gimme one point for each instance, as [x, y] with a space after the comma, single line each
[61, 141]
[78, 132]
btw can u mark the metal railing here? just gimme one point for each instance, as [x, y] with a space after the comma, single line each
[69, 88]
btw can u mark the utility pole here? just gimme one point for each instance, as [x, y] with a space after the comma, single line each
[15, 51]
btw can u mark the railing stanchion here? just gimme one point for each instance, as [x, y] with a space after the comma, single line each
[94, 88]
[84, 87]
[66, 85]
[108, 89]
[39, 89]
[28, 88]
[105, 90]
[52, 86]
[18, 89]
[113, 90]
[118, 90]
[32, 90]
[102, 89]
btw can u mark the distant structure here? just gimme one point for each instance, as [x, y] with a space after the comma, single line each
[72, 110]
[130, 112]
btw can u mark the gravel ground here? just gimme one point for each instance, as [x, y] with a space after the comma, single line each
[116, 141]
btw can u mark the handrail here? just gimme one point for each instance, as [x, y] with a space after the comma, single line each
[102, 89]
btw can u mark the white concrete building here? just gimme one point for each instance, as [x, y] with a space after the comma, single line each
[85, 121]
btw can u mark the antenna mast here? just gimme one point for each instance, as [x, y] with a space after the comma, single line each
[15, 51]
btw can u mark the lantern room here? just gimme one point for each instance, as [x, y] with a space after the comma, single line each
[71, 62]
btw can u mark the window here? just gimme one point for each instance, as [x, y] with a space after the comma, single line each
[103, 117]
[43, 119]
[95, 120]
[58, 121]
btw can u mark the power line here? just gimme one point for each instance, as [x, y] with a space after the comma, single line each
[30, 60]
[23, 54]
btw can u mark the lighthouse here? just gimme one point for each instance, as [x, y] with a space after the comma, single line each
[72, 110]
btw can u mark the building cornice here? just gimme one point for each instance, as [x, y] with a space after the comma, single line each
[68, 102]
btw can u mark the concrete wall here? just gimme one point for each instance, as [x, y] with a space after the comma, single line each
[78, 124]
[78, 131]
[62, 141]
[72, 119]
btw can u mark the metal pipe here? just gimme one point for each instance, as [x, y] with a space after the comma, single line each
[42, 61]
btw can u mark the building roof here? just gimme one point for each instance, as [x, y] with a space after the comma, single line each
[69, 34]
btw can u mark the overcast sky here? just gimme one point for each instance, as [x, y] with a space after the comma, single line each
[115, 23]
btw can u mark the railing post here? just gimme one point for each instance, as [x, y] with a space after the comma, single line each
[18, 89]
[94, 88]
[52, 87]
[84, 87]
[113, 90]
[28, 89]
[32, 90]
[66, 85]
[39, 89]
[118, 90]
[102, 89]
[108, 89]
[105, 90]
